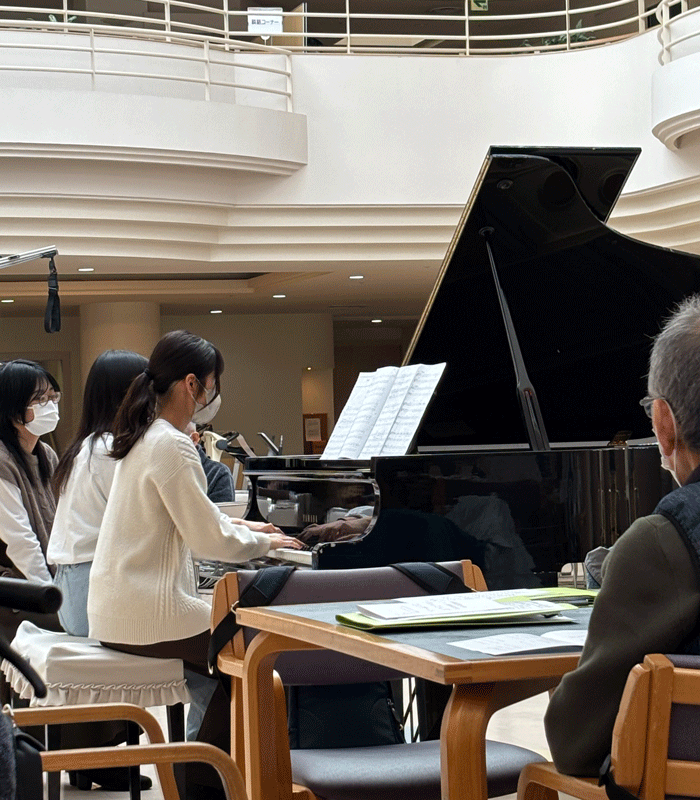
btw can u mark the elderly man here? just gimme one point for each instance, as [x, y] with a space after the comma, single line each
[650, 597]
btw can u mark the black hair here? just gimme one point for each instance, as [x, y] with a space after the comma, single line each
[22, 381]
[176, 355]
[107, 383]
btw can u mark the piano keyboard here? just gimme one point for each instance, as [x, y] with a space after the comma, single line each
[290, 554]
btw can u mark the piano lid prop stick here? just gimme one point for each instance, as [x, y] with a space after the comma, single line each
[532, 416]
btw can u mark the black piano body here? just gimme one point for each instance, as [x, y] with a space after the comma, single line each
[583, 303]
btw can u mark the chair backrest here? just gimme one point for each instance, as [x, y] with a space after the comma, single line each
[313, 586]
[209, 440]
[656, 739]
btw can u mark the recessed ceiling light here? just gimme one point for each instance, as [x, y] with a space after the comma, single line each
[7, 301]
[357, 277]
[376, 320]
[309, 369]
[86, 269]
[279, 296]
[216, 311]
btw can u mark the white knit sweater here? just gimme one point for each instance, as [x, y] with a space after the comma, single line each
[142, 586]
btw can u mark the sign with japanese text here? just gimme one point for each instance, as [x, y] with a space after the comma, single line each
[265, 21]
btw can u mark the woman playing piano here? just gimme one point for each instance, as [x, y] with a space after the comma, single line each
[142, 597]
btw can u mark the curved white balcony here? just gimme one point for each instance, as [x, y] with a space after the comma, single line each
[675, 86]
[81, 95]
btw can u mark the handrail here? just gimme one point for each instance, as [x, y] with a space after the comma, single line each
[668, 39]
[462, 32]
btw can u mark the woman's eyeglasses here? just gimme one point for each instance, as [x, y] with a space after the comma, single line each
[47, 398]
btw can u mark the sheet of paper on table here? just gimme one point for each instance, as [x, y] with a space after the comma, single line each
[508, 643]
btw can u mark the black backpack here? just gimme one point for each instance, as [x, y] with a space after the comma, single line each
[367, 710]
[21, 777]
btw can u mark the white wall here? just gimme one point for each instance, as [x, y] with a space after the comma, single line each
[266, 357]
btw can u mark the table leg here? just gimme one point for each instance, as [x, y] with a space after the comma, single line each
[463, 733]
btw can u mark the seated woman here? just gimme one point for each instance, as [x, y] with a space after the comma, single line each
[29, 398]
[82, 481]
[142, 596]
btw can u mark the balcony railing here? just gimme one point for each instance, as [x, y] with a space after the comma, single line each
[679, 29]
[466, 27]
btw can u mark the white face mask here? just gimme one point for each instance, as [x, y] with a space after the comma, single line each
[45, 419]
[204, 413]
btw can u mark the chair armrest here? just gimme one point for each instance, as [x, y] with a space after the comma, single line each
[68, 715]
[162, 755]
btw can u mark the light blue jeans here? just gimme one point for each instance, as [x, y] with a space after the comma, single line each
[201, 691]
[73, 580]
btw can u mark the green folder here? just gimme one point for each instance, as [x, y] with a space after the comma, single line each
[365, 623]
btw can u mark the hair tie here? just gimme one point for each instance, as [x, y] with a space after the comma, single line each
[149, 375]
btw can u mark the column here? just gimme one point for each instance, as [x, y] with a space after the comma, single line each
[117, 326]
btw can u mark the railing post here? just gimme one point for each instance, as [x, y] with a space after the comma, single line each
[92, 58]
[65, 15]
[207, 71]
[665, 33]
[567, 10]
[642, 20]
[290, 101]
[166, 16]
[466, 28]
[347, 25]
[227, 33]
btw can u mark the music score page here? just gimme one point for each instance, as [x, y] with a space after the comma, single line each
[383, 412]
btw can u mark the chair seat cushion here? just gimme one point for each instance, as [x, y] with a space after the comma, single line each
[399, 772]
[79, 670]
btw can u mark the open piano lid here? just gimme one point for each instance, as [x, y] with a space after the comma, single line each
[584, 299]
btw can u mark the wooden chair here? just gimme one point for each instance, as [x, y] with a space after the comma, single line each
[405, 771]
[156, 752]
[655, 745]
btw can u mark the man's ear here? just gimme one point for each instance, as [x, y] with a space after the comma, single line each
[664, 426]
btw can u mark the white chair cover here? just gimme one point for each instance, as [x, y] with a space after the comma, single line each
[79, 670]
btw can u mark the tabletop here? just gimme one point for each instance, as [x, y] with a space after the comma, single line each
[426, 653]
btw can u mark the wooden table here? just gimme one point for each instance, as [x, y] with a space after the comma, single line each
[482, 683]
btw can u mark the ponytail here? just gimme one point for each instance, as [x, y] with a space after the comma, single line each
[135, 415]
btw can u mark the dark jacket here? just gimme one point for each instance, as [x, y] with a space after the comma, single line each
[220, 487]
[649, 603]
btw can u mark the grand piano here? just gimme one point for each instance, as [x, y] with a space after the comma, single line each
[535, 448]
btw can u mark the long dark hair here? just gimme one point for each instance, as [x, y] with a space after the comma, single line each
[176, 355]
[107, 383]
[20, 382]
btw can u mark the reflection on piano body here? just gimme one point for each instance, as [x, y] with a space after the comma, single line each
[562, 304]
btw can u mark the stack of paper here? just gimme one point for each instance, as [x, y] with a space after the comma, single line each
[484, 608]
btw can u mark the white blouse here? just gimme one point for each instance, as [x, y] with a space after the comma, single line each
[82, 504]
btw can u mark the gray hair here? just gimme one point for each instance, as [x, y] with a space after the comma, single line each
[674, 368]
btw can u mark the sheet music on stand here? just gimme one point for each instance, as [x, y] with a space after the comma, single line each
[383, 412]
